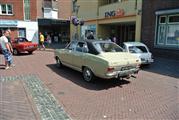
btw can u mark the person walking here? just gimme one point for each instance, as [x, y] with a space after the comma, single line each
[42, 39]
[49, 41]
[6, 49]
[9, 40]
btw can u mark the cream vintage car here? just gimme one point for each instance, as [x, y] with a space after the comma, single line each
[93, 58]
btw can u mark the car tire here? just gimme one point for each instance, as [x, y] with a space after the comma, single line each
[58, 62]
[30, 52]
[88, 75]
[15, 52]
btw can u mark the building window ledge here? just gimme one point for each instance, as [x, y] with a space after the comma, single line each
[167, 47]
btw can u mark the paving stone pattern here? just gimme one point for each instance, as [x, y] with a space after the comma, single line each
[14, 105]
[45, 102]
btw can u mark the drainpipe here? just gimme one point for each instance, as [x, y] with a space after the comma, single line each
[135, 4]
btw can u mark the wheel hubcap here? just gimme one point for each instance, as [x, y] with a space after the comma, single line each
[15, 52]
[58, 62]
[87, 75]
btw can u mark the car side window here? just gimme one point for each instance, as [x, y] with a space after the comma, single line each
[71, 46]
[81, 47]
[137, 49]
[124, 48]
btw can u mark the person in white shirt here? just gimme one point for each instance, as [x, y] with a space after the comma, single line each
[6, 49]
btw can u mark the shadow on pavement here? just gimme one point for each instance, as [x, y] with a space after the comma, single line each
[2, 66]
[163, 66]
[76, 77]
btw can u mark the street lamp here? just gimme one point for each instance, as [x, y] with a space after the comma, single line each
[76, 8]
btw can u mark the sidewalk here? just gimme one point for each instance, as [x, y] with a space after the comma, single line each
[26, 98]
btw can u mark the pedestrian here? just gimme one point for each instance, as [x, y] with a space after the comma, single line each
[9, 40]
[6, 49]
[49, 40]
[90, 36]
[114, 39]
[42, 39]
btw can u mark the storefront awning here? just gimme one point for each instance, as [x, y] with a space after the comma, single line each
[8, 23]
[53, 22]
[170, 11]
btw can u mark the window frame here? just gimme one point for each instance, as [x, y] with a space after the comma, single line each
[165, 43]
[172, 22]
[20, 30]
[27, 12]
[6, 9]
[161, 17]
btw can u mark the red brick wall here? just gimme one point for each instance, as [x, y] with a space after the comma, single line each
[18, 10]
[149, 8]
[65, 9]
[33, 10]
[39, 8]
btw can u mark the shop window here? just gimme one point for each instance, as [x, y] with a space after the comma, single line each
[168, 32]
[172, 35]
[173, 19]
[21, 32]
[161, 34]
[162, 19]
[6, 9]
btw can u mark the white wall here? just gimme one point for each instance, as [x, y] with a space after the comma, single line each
[49, 13]
[31, 30]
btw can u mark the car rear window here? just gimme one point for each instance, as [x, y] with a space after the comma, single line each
[107, 47]
[137, 49]
[22, 40]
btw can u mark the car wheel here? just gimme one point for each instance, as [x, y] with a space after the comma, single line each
[58, 62]
[88, 75]
[15, 52]
[30, 52]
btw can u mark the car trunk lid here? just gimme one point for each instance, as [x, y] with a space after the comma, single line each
[120, 58]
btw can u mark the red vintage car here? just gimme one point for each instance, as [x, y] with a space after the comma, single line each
[21, 44]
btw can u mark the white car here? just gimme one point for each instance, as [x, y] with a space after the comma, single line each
[140, 50]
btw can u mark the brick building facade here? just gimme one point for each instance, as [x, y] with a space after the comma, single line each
[55, 19]
[20, 17]
[160, 27]
[26, 18]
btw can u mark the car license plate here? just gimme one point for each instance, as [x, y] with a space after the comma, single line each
[126, 68]
[31, 46]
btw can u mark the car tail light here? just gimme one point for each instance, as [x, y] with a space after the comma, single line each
[110, 69]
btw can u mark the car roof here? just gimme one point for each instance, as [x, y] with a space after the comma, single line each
[134, 44]
[92, 41]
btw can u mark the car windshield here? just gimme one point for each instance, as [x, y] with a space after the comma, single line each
[107, 47]
[137, 49]
[22, 40]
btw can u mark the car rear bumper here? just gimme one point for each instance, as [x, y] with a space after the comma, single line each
[28, 49]
[149, 61]
[118, 74]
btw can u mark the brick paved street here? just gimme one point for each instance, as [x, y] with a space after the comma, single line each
[153, 95]
[14, 104]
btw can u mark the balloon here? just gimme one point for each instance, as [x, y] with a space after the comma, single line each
[75, 21]
[82, 22]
